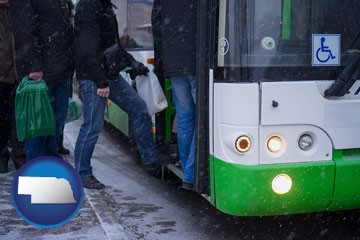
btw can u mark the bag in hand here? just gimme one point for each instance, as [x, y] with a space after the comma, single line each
[33, 111]
[73, 111]
[114, 61]
[149, 89]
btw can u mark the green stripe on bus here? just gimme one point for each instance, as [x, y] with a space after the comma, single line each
[247, 190]
[286, 19]
[347, 190]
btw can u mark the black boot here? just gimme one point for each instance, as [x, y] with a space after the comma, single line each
[62, 150]
[19, 162]
[4, 167]
[18, 155]
[4, 160]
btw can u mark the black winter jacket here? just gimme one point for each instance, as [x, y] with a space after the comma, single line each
[174, 29]
[43, 37]
[96, 29]
[7, 53]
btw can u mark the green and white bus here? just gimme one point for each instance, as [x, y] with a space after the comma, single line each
[278, 106]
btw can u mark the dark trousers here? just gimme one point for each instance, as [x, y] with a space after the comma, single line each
[8, 135]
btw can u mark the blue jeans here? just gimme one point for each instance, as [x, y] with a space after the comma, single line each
[93, 113]
[123, 95]
[184, 91]
[48, 145]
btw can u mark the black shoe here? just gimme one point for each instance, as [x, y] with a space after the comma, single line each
[154, 172]
[63, 151]
[4, 167]
[164, 159]
[151, 167]
[187, 186]
[19, 163]
[92, 183]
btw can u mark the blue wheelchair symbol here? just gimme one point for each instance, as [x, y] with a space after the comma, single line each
[324, 54]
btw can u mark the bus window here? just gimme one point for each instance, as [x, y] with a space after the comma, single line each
[352, 21]
[267, 21]
[134, 21]
[272, 40]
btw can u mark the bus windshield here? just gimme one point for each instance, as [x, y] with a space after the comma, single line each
[271, 40]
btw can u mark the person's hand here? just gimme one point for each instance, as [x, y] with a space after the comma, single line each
[137, 68]
[140, 68]
[103, 92]
[36, 76]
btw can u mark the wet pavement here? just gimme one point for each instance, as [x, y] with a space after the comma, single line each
[91, 222]
[12, 226]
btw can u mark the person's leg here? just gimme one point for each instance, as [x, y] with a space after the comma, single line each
[68, 76]
[123, 95]
[59, 98]
[184, 91]
[61, 148]
[4, 126]
[4, 160]
[35, 147]
[189, 169]
[93, 113]
[18, 155]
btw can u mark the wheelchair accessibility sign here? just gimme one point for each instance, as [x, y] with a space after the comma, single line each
[326, 50]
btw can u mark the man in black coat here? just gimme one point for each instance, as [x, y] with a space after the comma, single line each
[96, 30]
[43, 44]
[8, 83]
[174, 30]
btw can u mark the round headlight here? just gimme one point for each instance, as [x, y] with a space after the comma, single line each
[274, 144]
[243, 144]
[281, 184]
[305, 142]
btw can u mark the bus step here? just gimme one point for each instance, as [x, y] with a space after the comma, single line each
[173, 168]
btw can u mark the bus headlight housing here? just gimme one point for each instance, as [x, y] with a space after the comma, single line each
[281, 184]
[274, 144]
[305, 142]
[243, 144]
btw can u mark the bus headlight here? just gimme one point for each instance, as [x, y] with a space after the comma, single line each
[243, 144]
[305, 142]
[274, 144]
[281, 184]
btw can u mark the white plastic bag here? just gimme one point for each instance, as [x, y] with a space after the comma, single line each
[150, 90]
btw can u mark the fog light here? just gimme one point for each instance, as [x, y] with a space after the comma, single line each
[274, 144]
[243, 144]
[281, 184]
[305, 142]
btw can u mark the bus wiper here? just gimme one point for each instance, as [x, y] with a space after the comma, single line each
[344, 81]
[349, 83]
